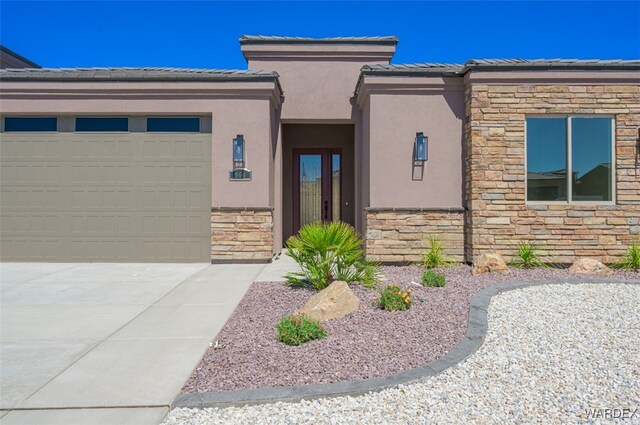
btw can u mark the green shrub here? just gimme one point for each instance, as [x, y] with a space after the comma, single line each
[298, 329]
[528, 256]
[432, 279]
[631, 259]
[328, 252]
[393, 298]
[435, 256]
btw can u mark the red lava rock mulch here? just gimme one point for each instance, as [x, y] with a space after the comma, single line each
[367, 343]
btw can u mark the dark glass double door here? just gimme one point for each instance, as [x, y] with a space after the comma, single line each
[317, 180]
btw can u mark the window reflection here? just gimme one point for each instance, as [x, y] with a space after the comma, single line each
[546, 159]
[591, 159]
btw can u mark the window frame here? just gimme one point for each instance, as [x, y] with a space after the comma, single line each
[75, 124]
[146, 124]
[4, 127]
[570, 201]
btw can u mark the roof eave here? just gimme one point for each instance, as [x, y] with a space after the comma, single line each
[538, 67]
[402, 73]
[9, 76]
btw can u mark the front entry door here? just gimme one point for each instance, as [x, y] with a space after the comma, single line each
[317, 180]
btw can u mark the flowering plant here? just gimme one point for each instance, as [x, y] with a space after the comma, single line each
[298, 329]
[394, 298]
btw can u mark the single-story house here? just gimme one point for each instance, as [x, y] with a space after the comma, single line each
[166, 164]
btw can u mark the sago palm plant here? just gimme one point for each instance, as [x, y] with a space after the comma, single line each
[327, 252]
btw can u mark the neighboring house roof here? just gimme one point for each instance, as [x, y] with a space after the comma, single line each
[11, 59]
[264, 39]
[550, 175]
[136, 74]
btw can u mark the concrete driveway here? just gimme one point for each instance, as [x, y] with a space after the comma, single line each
[107, 343]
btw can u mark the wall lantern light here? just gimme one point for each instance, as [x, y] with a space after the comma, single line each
[238, 151]
[239, 172]
[421, 147]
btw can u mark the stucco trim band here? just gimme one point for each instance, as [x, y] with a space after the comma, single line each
[241, 209]
[409, 209]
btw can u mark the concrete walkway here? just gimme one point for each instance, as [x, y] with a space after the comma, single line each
[276, 269]
[107, 343]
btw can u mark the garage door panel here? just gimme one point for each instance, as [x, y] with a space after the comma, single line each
[128, 197]
[101, 223]
[96, 199]
[108, 249]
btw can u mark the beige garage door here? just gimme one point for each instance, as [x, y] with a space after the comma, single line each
[105, 197]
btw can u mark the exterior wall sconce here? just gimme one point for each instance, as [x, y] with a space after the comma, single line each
[238, 151]
[239, 171]
[421, 148]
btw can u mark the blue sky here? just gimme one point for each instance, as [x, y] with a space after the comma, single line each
[204, 34]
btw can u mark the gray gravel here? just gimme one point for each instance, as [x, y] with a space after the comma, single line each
[367, 343]
[551, 353]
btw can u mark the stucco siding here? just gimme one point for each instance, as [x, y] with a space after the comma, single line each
[396, 181]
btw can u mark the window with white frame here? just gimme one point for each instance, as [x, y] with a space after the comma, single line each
[570, 159]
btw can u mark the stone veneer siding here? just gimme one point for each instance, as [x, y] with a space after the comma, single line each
[397, 235]
[241, 234]
[498, 216]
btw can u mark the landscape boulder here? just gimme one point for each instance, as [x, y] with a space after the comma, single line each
[336, 300]
[590, 266]
[489, 263]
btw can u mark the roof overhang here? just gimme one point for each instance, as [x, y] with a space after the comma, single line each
[568, 71]
[401, 85]
[264, 39]
[132, 83]
[373, 49]
[566, 77]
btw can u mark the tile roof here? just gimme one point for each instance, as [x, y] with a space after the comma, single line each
[503, 65]
[135, 74]
[149, 74]
[266, 39]
[414, 68]
[551, 64]
[454, 69]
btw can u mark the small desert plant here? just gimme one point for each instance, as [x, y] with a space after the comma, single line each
[435, 256]
[328, 252]
[528, 256]
[298, 329]
[432, 279]
[631, 258]
[393, 298]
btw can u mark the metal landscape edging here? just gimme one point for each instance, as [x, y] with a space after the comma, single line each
[472, 340]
